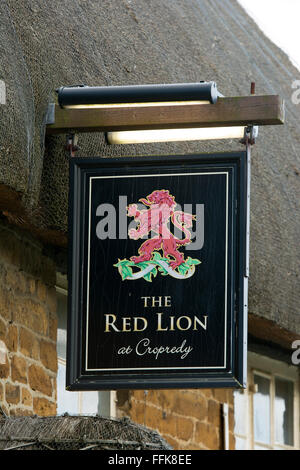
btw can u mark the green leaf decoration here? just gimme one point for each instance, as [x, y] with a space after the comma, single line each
[124, 262]
[163, 271]
[191, 261]
[156, 256]
[183, 268]
[148, 276]
[126, 271]
[143, 264]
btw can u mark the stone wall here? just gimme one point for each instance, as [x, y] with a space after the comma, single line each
[28, 325]
[187, 420]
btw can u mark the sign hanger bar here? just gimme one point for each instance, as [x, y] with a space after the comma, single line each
[227, 111]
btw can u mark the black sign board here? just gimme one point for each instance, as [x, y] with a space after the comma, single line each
[156, 272]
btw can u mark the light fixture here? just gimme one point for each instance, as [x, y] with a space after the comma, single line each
[175, 135]
[81, 96]
[135, 96]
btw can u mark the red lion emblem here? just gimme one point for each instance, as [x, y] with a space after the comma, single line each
[155, 218]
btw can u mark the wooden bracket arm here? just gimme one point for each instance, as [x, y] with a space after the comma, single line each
[232, 111]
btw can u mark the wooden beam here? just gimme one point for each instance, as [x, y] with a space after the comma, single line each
[232, 111]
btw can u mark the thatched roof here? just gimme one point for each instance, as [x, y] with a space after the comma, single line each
[48, 44]
[76, 433]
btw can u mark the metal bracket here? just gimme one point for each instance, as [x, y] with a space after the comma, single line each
[249, 140]
[71, 145]
[50, 114]
[250, 135]
[71, 139]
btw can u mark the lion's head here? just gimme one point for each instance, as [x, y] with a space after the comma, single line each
[159, 196]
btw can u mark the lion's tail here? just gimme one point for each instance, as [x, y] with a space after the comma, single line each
[178, 219]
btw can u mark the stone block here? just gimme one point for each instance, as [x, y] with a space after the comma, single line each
[44, 407]
[4, 368]
[18, 369]
[12, 338]
[185, 429]
[32, 315]
[12, 393]
[29, 343]
[6, 303]
[20, 411]
[165, 422]
[137, 413]
[220, 394]
[52, 330]
[207, 435]
[48, 355]
[26, 397]
[51, 299]
[16, 280]
[214, 413]
[191, 404]
[3, 330]
[39, 381]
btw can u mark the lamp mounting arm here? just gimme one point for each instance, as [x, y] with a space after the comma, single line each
[250, 135]
[71, 144]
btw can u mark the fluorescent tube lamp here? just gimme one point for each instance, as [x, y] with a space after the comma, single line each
[129, 96]
[133, 105]
[173, 135]
[85, 96]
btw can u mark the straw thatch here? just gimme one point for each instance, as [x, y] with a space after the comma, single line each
[76, 433]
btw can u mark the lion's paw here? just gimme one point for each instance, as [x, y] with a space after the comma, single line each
[133, 234]
[131, 210]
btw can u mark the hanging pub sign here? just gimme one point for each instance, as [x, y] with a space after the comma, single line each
[156, 272]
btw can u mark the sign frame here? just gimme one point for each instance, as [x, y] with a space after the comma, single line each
[78, 376]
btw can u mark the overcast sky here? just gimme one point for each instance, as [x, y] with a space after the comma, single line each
[280, 21]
